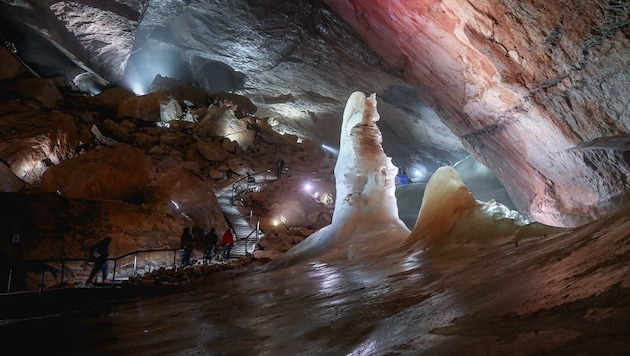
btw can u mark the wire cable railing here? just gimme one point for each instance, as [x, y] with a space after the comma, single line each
[36, 274]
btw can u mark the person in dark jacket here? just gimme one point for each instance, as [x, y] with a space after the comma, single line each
[209, 244]
[98, 255]
[187, 243]
[279, 167]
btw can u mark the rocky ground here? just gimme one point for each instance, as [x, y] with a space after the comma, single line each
[77, 168]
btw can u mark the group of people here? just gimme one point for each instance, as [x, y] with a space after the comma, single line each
[99, 252]
[209, 243]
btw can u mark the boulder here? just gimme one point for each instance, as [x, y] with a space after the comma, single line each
[144, 107]
[242, 106]
[108, 99]
[9, 182]
[111, 129]
[211, 151]
[184, 93]
[36, 92]
[119, 172]
[170, 109]
[32, 140]
[177, 190]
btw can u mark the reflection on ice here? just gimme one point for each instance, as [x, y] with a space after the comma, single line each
[327, 277]
[366, 348]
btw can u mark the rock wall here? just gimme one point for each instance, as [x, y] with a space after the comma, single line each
[521, 83]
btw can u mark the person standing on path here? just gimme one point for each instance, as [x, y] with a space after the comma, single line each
[279, 167]
[186, 246]
[98, 255]
[228, 242]
[209, 244]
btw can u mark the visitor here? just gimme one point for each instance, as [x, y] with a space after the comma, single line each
[279, 167]
[186, 246]
[228, 242]
[210, 243]
[98, 256]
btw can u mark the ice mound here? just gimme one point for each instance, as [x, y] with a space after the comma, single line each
[450, 217]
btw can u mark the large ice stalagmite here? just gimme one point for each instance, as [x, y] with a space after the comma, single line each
[365, 220]
[365, 176]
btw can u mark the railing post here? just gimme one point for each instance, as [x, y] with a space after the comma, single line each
[135, 264]
[174, 258]
[114, 273]
[63, 265]
[41, 280]
[257, 236]
[9, 281]
[15, 240]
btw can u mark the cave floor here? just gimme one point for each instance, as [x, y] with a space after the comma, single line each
[562, 294]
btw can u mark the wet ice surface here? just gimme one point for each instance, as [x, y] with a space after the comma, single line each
[565, 293]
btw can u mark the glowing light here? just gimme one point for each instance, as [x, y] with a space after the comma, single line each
[330, 149]
[308, 187]
[175, 204]
[419, 173]
[137, 88]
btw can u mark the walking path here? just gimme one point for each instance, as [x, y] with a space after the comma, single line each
[246, 235]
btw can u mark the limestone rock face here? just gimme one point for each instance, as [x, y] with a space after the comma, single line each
[57, 226]
[32, 140]
[521, 84]
[112, 38]
[119, 172]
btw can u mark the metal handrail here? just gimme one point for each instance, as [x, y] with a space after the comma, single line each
[43, 263]
[237, 192]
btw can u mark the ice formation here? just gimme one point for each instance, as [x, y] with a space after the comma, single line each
[365, 218]
[451, 217]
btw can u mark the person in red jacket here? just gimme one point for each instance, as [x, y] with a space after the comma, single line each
[228, 242]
